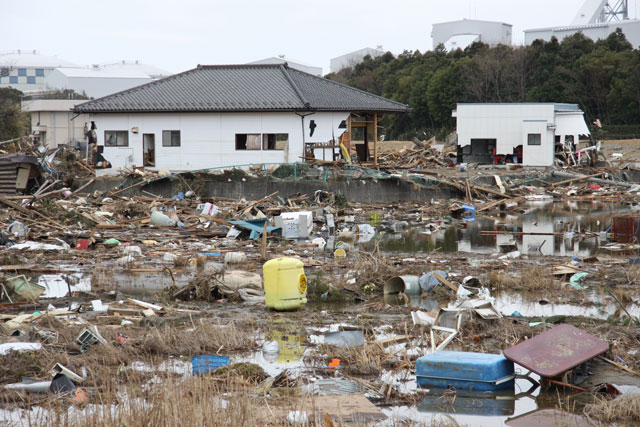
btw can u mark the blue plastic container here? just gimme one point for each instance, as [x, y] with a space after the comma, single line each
[205, 363]
[465, 371]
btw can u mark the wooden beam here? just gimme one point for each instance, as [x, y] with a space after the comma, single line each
[498, 202]
[375, 139]
[580, 178]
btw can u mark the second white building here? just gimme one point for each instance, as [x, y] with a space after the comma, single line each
[525, 133]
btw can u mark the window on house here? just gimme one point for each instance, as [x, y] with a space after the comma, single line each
[275, 141]
[247, 141]
[116, 138]
[171, 138]
[31, 80]
[22, 72]
[534, 139]
[39, 72]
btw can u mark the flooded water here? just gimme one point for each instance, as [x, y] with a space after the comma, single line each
[297, 343]
[544, 228]
[527, 305]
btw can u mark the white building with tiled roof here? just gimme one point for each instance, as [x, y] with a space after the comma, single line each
[235, 115]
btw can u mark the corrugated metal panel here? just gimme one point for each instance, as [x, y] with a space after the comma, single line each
[625, 228]
[8, 175]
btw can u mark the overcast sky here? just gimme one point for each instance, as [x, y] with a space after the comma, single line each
[178, 35]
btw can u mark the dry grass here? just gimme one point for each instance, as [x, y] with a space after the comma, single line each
[529, 279]
[181, 261]
[169, 401]
[368, 360]
[15, 365]
[625, 410]
[491, 336]
[150, 345]
[201, 338]
[372, 267]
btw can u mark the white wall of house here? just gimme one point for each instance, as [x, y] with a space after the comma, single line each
[510, 125]
[54, 120]
[208, 140]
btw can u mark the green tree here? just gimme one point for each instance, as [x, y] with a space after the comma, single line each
[13, 122]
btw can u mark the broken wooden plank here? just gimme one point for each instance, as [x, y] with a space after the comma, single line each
[145, 305]
[124, 311]
[445, 281]
[499, 184]
[392, 340]
[216, 220]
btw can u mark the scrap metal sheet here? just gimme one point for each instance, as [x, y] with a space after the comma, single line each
[556, 351]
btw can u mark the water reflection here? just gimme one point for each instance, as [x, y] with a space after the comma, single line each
[559, 229]
[283, 348]
[529, 306]
[465, 402]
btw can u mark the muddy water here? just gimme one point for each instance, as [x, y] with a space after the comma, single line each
[544, 228]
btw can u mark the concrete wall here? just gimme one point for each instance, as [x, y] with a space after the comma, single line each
[492, 33]
[631, 29]
[362, 191]
[208, 140]
[53, 119]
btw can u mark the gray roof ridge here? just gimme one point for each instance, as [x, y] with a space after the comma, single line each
[215, 66]
[285, 70]
[355, 89]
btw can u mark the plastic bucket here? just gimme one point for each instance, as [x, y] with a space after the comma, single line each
[407, 284]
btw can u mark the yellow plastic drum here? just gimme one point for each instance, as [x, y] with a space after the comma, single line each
[285, 285]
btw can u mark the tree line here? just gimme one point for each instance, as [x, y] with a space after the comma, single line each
[603, 77]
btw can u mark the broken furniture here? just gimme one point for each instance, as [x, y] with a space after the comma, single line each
[556, 351]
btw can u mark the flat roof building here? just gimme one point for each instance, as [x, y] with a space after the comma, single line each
[460, 34]
[596, 19]
[26, 71]
[525, 133]
[296, 65]
[353, 58]
[95, 82]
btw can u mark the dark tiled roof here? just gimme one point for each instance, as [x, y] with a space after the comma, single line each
[228, 88]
